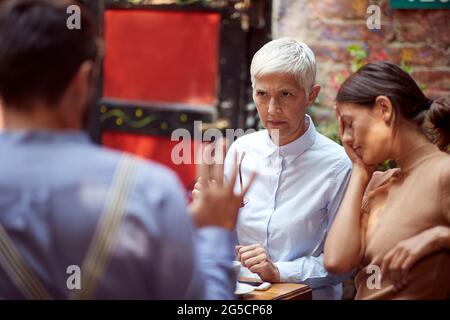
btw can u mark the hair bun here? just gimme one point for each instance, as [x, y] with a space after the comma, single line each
[439, 116]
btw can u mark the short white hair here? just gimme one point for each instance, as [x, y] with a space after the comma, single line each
[285, 55]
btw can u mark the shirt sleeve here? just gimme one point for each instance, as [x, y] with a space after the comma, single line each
[310, 270]
[337, 190]
[215, 253]
[189, 263]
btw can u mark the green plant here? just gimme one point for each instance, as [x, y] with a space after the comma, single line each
[330, 129]
[359, 56]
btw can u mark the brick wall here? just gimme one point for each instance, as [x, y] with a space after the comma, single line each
[419, 38]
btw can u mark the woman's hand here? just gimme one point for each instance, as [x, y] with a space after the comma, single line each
[397, 262]
[359, 167]
[255, 258]
[348, 228]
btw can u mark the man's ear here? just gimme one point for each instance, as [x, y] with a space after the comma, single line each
[313, 93]
[384, 108]
[79, 89]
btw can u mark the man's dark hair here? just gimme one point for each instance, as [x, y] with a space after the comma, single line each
[39, 54]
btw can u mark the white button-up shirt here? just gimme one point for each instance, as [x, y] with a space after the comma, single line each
[293, 202]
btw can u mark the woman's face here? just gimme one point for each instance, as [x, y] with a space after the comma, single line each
[366, 131]
[281, 104]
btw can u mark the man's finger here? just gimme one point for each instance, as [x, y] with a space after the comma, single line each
[198, 186]
[203, 170]
[195, 193]
[200, 179]
[219, 159]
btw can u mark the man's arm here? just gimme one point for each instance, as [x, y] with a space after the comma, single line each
[215, 212]
[189, 263]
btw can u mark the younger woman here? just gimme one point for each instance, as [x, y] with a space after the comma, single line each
[396, 222]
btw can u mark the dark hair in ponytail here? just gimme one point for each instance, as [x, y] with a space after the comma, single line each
[439, 116]
[387, 79]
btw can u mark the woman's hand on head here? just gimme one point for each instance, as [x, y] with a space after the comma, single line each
[359, 167]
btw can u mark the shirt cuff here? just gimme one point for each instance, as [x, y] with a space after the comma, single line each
[216, 241]
[289, 270]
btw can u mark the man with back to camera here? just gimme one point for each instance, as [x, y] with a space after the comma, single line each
[65, 202]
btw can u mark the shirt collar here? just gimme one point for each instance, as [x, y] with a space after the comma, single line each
[30, 136]
[294, 149]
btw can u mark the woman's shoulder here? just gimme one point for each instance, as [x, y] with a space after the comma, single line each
[442, 166]
[443, 161]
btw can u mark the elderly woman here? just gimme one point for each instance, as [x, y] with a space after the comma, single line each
[302, 175]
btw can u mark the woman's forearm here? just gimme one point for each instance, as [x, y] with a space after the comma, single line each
[343, 244]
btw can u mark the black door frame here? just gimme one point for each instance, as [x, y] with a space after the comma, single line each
[245, 25]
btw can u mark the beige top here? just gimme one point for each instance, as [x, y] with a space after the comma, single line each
[399, 204]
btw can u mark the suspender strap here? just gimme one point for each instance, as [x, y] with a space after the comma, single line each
[19, 271]
[107, 229]
[99, 249]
